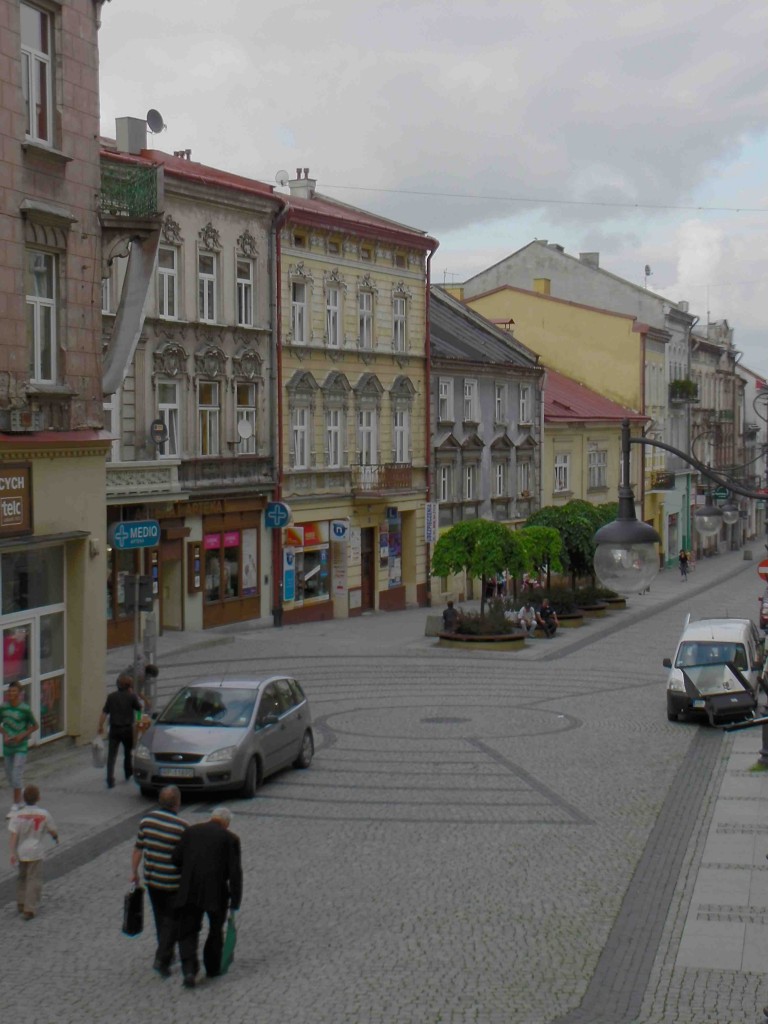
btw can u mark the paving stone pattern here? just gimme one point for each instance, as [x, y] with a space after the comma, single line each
[481, 838]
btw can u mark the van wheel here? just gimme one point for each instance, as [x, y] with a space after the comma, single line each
[252, 779]
[304, 760]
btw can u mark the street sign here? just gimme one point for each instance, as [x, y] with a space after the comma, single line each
[762, 570]
[140, 533]
[277, 515]
[721, 493]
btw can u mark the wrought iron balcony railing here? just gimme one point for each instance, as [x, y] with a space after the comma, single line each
[128, 190]
[388, 476]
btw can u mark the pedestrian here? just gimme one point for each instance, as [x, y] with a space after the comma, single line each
[547, 618]
[450, 618]
[17, 723]
[526, 618]
[120, 707]
[682, 561]
[159, 832]
[29, 827]
[211, 883]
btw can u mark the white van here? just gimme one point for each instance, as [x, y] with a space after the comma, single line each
[711, 642]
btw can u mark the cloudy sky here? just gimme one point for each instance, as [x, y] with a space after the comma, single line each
[635, 128]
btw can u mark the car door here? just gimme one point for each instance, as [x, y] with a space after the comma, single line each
[270, 734]
[292, 721]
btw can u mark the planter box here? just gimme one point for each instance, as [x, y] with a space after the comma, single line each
[494, 642]
[615, 604]
[570, 620]
[594, 611]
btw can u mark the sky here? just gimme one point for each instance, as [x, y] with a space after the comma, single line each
[633, 128]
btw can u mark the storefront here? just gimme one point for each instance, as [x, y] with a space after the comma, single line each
[230, 559]
[307, 568]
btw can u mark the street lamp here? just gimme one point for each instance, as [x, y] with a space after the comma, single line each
[730, 512]
[625, 555]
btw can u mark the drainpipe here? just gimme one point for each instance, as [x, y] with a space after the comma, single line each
[276, 374]
[427, 416]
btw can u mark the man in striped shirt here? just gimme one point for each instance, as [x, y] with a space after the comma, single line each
[159, 832]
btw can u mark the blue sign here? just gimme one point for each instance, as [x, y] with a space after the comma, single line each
[277, 515]
[141, 533]
[340, 529]
[289, 574]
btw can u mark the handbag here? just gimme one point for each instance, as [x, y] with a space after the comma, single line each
[133, 911]
[228, 949]
[98, 753]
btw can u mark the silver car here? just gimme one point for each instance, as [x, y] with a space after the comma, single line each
[226, 734]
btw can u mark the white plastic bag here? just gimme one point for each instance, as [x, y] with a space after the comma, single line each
[98, 752]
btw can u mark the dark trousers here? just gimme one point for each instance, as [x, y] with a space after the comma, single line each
[117, 735]
[190, 922]
[166, 923]
[549, 627]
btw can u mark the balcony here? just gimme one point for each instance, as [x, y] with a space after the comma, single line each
[683, 391]
[382, 479]
[239, 471]
[128, 192]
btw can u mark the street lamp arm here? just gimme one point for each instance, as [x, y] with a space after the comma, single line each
[705, 470]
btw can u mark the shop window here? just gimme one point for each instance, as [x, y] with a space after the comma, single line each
[121, 567]
[312, 575]
[222, 565]
[32, 579]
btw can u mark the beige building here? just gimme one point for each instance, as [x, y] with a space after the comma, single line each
[52, 449]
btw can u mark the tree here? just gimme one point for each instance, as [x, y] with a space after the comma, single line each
[576, 522]
[481, 549]
[544, 547]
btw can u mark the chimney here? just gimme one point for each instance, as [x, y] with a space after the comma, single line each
[131, 134]
[302, 187]
[683, 306]
[542, 285]
[590, 259]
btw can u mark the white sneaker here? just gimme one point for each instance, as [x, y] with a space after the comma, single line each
[13, 810]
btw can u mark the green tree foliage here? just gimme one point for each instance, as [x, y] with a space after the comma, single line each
[576, 522]
[481, 549]
[544, 548]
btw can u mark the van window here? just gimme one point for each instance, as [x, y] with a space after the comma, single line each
[711, 653]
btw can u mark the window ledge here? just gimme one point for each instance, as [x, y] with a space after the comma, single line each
[38, 149]
[49, 390]
[474, 424]
[597, 490]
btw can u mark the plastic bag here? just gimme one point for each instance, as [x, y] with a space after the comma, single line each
[98, 752]
[133, 911]
[228, 950]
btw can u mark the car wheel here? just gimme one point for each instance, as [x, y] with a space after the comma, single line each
[148, 792]
[252, 778]
[304, 760]
[671, 716]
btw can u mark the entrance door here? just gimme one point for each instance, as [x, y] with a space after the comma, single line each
[368, 569]
[171, 586]
[33, 655]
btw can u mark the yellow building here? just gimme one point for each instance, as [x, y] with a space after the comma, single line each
[353, 409]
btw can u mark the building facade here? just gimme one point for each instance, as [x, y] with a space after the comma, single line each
[52, 448]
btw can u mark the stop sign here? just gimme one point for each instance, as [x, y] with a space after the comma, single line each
[762, 570]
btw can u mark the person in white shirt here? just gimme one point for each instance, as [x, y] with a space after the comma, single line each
[526, 617]
[28, 827]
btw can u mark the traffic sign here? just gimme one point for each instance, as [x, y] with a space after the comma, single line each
[762, 570]
[140, 533]
[277, 515]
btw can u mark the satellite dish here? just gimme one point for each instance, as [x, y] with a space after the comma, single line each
[282, 178]
[244, 429]
[155, 121]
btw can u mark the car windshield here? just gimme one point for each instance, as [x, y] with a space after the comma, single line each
[202, 705]
[705, 652]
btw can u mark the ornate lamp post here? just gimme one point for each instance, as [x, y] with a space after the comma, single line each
[625, 556]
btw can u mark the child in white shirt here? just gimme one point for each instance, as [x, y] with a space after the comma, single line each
[29, 827]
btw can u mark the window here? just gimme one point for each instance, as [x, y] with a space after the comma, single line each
[598, 469]
[300, 437]
[562, 472]
[500, 403]
[525, 403]
[168, 412]
[245, 418]
[444, 490]
[333, 437]
[206, 286]
[524, 479]
[40, 286]
[367, 436]
[470, 401]
[445, 400]
[401, 429]
[244, 292]
[106, 295]
[365, 311]
[208, 417]
[398, 324]
[166, 283]
[500, 480]
[299, 312]
[332, 321]
[469, 483]
[36, 73]
[365, 254]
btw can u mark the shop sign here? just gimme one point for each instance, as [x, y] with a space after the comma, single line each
[293, 537]
[232, 539]
[136, 533]
[277, 515]
[430, 522]
[355, 555]
[315, 533]
[212, 541]
[15, 499]
[289, 574]
[340, 530]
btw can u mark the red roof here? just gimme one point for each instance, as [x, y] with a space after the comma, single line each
[566, 400]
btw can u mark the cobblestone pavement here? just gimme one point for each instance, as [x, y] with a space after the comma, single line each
[481, 838]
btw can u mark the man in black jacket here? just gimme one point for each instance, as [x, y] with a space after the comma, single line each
[120, 707]
[211, 883]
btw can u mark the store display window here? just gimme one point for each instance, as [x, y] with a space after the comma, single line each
[222, 565]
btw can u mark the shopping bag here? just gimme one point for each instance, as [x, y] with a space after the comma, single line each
[228, 949]
[133, 911]
[98, 753]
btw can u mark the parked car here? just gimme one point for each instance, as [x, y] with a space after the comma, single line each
[226, 734]
[715, 657]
